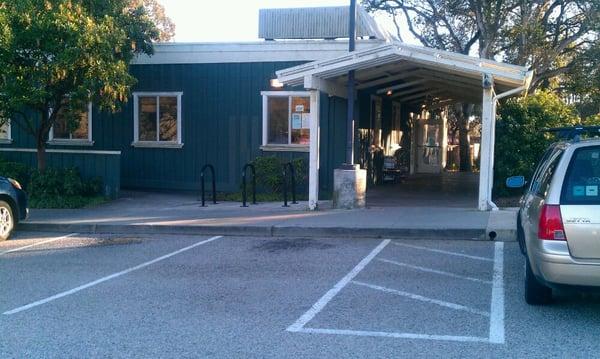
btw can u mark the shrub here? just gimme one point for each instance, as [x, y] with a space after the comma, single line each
[269, 177]
[62, 188]
[519, 140]
[14, 170]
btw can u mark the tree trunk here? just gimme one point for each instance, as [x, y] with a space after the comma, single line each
[463, 139]
[41, 152]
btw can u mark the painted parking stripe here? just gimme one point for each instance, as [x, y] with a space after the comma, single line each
[497, 303]
[421, 298]
[38, 243]
[431, 270]
[444, 252]
[365, 333]
[109, 277]
[327, 297]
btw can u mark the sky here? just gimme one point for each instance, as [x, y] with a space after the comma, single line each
[231, 20]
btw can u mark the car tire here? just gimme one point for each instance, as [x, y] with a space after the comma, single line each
[7, 221]
[535, 292]
[521, 236]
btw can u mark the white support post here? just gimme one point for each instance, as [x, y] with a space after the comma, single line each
[488, 120]
[313, 171]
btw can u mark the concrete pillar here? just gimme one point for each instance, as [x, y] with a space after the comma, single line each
[313, 171]
[349, 188]
[488, 122]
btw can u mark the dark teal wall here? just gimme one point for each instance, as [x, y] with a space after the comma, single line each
[333, 112]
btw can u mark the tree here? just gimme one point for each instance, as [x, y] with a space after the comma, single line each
[159, 17]
[59, 55]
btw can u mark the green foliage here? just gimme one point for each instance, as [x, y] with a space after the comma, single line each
[54, 188]
[269, 173]
[52, 50]
[519, 142]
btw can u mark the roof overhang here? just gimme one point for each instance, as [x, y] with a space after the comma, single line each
[409, 73]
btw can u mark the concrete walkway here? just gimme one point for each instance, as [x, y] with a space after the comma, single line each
[182, 214]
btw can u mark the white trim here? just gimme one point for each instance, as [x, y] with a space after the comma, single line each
[488, 117]
[9, 139]
[266, 146]
[285, 148]
[241, 52]
[33, 150]
[313, 169]
[156, 144]
[73, 141]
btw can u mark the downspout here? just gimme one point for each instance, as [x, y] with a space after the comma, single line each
[495, 99]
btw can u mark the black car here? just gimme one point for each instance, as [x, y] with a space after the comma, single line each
[13, 206]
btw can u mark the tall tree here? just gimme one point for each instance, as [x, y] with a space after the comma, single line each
[58, 55]
[157, 13]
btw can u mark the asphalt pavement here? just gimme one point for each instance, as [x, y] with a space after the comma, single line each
[134, 296]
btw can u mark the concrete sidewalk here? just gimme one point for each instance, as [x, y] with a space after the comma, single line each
[138, 212]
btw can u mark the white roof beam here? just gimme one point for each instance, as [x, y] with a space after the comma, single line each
[409, 91]
[328, 86]
[419, 95]
[401, 86]
[384, 80]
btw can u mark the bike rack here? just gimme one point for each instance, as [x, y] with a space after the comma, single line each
[244, 195]
[292, 172]
[214, 186]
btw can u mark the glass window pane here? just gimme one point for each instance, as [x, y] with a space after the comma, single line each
[300, 120]
[3, 129]
[168, 118]
[71, 125]
[278, 120]
[147, 119]
[582, 185]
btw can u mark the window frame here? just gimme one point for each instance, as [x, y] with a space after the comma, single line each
[266, 146]
[9, 139]
[136, 120]
[74, 141]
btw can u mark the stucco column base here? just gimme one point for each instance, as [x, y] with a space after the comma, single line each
[349, 188]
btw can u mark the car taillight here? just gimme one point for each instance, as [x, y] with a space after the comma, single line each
[551, 224]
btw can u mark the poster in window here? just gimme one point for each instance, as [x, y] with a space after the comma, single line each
[296, 121]
[305, 120]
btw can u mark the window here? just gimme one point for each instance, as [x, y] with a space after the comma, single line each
[286, 120]
[542, 183]
[5, 135]
[157, 119]
[72, 128]
[582, 182]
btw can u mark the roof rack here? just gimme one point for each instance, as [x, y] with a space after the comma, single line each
[574, 132]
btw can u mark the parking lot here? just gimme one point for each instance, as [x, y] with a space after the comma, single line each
[72, 295]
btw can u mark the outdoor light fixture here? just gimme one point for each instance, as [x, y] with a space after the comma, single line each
[389, 93]
[276, 84]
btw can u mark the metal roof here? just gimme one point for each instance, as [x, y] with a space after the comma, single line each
[445, 74]
[316, 23]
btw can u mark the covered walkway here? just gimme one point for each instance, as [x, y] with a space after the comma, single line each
[416, 83]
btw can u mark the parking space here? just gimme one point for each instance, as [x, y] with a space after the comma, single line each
[72, 295]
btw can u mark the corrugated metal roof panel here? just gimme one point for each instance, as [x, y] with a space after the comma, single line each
[315, 23]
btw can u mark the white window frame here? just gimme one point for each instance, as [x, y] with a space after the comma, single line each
[7, 140]
[136, 112]
[265, 121]
[74, 141]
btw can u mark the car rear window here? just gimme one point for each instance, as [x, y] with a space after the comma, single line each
[582, 183]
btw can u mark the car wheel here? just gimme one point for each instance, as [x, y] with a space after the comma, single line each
[535, 292]
[7, 221]
[521, 236]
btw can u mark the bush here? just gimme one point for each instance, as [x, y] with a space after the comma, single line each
[62, 188]
[519, 140]
[14, 170]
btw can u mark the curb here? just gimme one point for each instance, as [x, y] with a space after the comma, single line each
[265, 231]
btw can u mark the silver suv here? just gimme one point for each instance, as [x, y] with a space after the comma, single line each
[559, 220]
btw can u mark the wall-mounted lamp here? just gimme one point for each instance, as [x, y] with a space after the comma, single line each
[389, 93]
[276, 84]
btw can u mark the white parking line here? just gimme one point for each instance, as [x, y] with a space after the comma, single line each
[38, 243]
[444, 252]
[327, 297]
[431, 270]
[364, 333]
[109, 277]
[421, 298]
[497, 304]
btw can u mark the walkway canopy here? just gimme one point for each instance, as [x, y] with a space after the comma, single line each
[418, 75]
